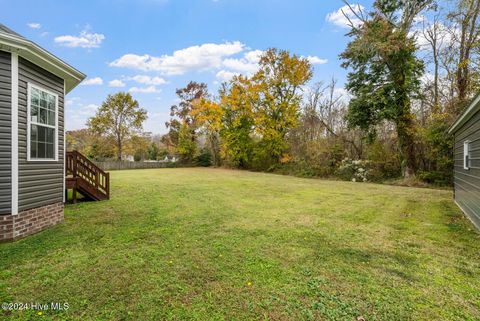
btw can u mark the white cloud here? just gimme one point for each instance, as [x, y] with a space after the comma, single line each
[77, 113]
[225, 75]
[342, 94]
[116, 83]
[147, 80]
[427, 78]
[71, 101]
[92, 82]
[156, 122]
[90, 109]
[195, 58]
[86, 39]
[248, 64]
[144, 90]
[34, 25]
[424, 29]
[314, 60]
[338, 17]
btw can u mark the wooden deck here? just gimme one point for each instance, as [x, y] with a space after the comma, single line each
[83, 176]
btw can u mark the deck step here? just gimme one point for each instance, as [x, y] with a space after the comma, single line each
[82, 175]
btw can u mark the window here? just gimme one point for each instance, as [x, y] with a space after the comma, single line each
[466, 155]
[42, 124]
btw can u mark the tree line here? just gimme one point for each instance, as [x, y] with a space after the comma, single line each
[413, 66]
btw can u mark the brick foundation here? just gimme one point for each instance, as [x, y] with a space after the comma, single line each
[14, 227]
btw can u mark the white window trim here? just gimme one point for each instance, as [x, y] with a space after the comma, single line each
[29, 123]
[466, 155]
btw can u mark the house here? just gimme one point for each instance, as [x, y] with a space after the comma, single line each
[33, 84]
[128, 158]
[466, 131]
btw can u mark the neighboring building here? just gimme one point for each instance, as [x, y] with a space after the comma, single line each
[33, 83]
[128, 158]
[172, 159]
[466, 131]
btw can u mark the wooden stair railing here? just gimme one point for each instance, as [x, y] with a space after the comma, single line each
[86, 177]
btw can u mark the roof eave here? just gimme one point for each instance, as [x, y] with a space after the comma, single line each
[36, 54]
[473, 108]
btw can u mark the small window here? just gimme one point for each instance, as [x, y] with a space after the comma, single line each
[42, 124]
[466, 155]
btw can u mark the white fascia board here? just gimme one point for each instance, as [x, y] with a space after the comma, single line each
[42, 58]
[466, 115]
[14, 133]
[64, 144]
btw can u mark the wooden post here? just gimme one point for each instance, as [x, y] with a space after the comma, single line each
[107, 184]
[97, 174]
[74, 164]
[74, 194]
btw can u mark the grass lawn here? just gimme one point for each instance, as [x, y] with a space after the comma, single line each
[212, 244]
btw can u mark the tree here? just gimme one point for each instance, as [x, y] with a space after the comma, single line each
[385, 72]
[434, 34]
[119, 117]
[275, 91]
[153, 151]
[209, 114]
[187, 145]
[88, 143]
[465, 33]
[237, 122]
[137, 145]
[181, 114]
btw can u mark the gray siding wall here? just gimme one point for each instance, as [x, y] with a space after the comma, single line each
[40, 183]
[467, 182]
[5, 133]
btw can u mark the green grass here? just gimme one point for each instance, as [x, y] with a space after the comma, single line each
[212, 244]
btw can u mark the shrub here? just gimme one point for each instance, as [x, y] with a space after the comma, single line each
[137, 157]
[205, 158]
[439, 178]
[437, 165]
[354, 170]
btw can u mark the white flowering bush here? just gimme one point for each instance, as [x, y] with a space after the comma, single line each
[354, 170]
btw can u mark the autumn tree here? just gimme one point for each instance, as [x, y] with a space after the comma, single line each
[385, 71]
[237, 122]
[137, 145]
[464, 29]
[208, 115]
[120, 118]
[181, 113]
[89, 144]
[182, 124]
[275, 92]
[186, 146]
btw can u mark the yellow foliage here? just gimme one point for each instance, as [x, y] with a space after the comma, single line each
[286, 158]
[207, 113]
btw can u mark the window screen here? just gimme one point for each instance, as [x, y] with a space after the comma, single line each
[43, 109]
[466, 155]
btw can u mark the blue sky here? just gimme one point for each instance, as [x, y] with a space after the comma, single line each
[152, 47]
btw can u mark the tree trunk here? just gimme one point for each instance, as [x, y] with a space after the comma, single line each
[406, 144]
[119, 149]
[436, 100]
[213, 149]
[462, 86]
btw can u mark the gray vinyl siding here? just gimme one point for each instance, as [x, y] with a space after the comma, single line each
[467, 182]
[5, 133]
[40, 183]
